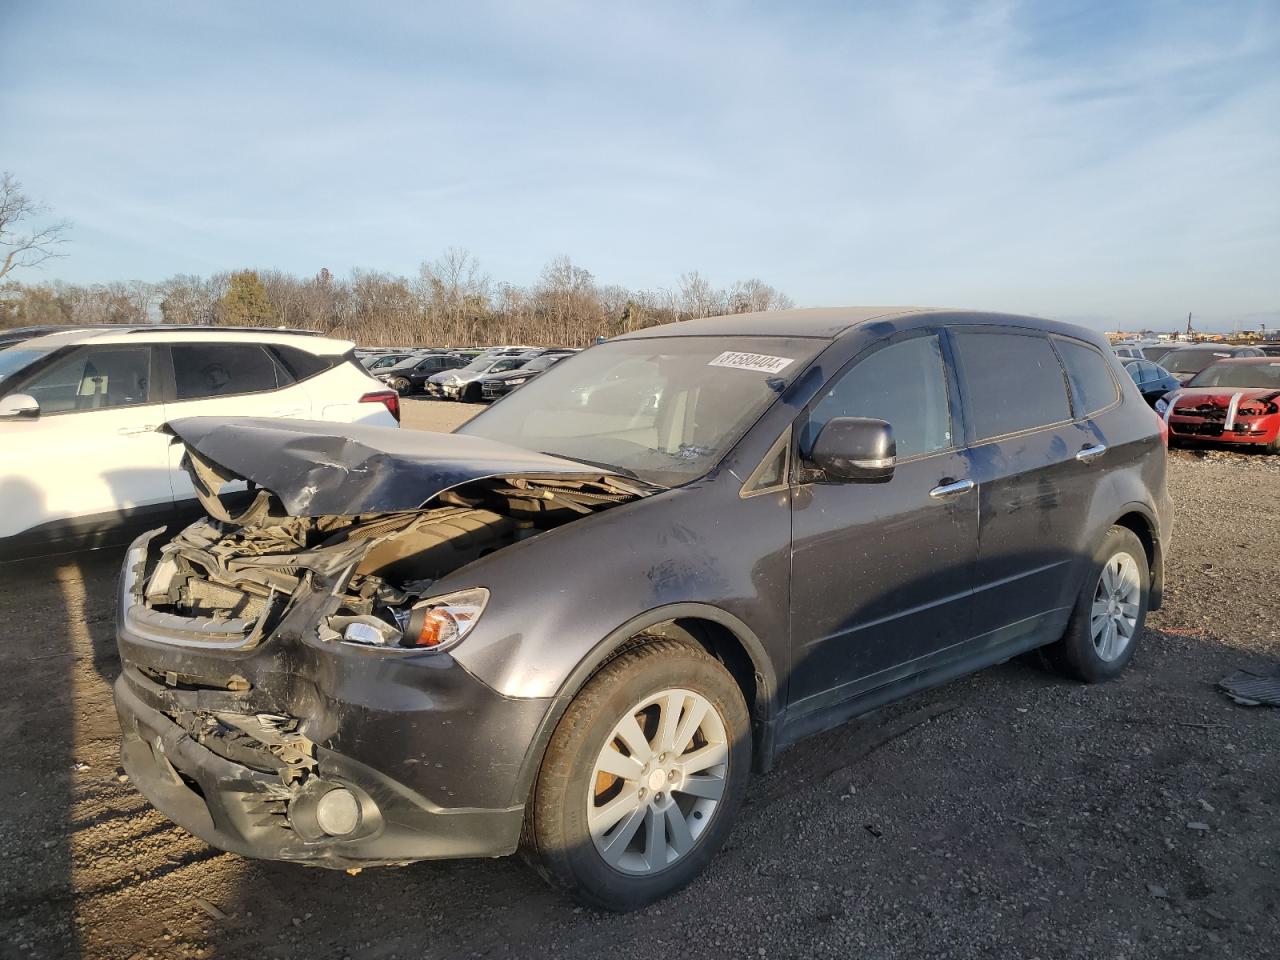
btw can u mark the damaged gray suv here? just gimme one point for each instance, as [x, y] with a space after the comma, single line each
[576, 625]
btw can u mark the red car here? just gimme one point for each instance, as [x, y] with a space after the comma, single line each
[1231, 401]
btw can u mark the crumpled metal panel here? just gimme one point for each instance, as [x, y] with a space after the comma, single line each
[318, 468]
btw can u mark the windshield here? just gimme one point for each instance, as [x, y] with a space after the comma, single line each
[1191, 361]
[15, 359]
[1260, 375]
[664, 409]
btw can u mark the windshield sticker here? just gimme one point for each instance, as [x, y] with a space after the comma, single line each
[759, 362]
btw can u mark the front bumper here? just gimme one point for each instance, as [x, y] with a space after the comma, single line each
[1262, 430]
[249, 811]
[236, 737]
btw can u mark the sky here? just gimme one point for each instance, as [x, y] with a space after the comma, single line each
[1111, 163]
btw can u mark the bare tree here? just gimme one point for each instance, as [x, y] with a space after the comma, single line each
[697, 297]
[750, 296]
[450, 303]
[30, 248]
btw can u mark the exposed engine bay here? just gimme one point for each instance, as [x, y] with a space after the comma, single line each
[240, 571]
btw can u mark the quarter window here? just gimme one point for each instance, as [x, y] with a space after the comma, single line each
[98, 378]
[1012, 382]
[905, 385]
[225, 369]
[1092, 386]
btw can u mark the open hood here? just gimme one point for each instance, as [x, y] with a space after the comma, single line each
[317, 468]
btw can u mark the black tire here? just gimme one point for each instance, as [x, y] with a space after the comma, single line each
[557, 841]
[1076, 655]
[471, 393]
[401, 386]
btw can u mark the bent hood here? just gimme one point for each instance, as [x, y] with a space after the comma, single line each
[318, 468]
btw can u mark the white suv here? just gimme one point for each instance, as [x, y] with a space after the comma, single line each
[83, 460]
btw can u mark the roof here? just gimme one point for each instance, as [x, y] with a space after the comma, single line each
[1243, 361]
[308, 340]
[828, 323]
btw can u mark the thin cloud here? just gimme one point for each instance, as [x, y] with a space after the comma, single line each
[1110, 161]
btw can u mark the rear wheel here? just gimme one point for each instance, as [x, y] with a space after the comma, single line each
[642, 779]
[1109, 613]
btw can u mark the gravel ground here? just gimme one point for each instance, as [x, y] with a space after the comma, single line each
[1010, 814]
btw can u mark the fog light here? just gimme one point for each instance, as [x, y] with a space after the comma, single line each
[338, 812]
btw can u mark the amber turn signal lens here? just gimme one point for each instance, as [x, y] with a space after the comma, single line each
[442, 621]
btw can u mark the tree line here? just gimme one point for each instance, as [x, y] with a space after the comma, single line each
[450, 301]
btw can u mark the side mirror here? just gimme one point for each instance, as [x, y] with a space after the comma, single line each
[855, 448]
[17, 405]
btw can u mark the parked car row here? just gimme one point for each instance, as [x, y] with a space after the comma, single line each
[492, 373]
[1215, 393]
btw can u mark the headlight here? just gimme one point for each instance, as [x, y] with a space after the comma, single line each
[1162, 405]
[441, 622]
[433, 624]
[517, 381]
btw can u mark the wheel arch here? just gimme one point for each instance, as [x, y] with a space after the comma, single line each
[720, 633]
[1138, 519]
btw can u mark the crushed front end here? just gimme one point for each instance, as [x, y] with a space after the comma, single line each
[1247, 416]
[287, 689]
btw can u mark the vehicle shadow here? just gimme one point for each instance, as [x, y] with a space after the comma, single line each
[38, 708]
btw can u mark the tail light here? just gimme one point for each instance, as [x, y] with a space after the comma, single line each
[1164, 429]
[388, 398]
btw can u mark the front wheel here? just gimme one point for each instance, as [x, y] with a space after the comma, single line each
[400, 385]
[642, 779]
[1107, 620]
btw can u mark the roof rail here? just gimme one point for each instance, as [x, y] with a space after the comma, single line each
[216, 328]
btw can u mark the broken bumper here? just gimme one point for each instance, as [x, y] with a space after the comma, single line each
[246, 811]
[250, 812]
[1264, 431]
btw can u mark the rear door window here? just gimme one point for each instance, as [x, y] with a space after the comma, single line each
[1012, 382]
[1092, 386]
[904, 384]
[207, 370]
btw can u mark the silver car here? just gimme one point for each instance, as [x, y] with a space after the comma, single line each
[464, 383]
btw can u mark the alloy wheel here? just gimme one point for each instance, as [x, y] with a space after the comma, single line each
[1114, 615]
[657, 782]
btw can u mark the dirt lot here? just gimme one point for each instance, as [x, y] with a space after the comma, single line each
[1011, 814]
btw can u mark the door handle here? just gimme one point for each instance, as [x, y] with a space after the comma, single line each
[135, 431]
[951, 488]
[1090, 454]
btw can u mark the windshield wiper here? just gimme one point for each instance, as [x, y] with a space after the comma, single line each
[611, 467]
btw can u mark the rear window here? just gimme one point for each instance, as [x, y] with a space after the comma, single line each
[1193, 360]
[1092, 386]
[1012, 382]
[302, 364]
